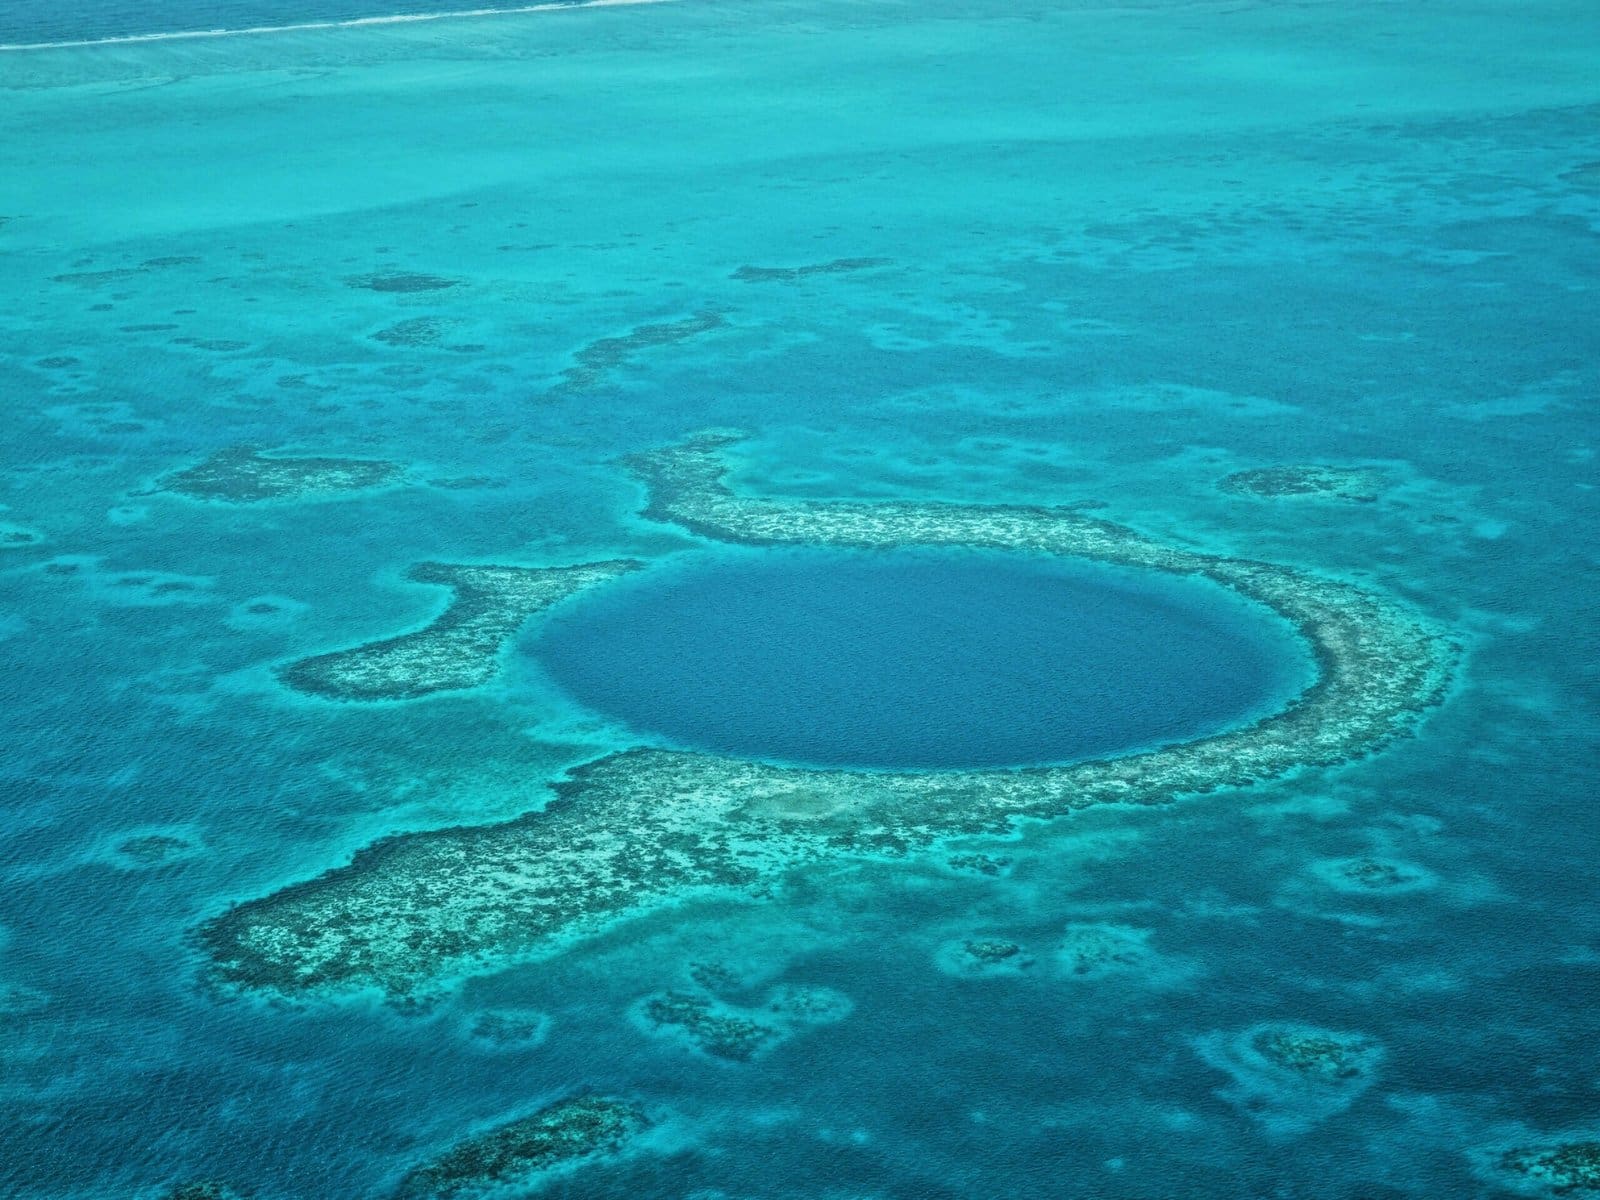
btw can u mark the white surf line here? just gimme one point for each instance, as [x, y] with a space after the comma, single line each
[352, 23]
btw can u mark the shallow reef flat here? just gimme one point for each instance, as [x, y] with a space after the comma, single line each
[245, 475]
[1372, 876]
[514, 1154]
[641, 828]
[838, 266]
[1362, 485]
[1553, 1168]
[983, 956]
[15, 537]
[460, 648]
[1289, 1077]
[713, 1026]
[596, 360]
[403, 282]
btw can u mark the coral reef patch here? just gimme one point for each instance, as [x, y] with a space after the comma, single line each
[1363, 485]
[1093, 950]
[459, 648]
[1291, 1077]
[719, 1029]
[710, 1026]
[400, 281]
[596, 360]
[16, 537]
[838, 266]
[980, 864]
[983, 956]
[641, 828]
[1372, 876]
[244, 475]
[153, 849]
[413, 332]
[119, 274]
[515, 1154]
[1556, 1168]
[502, 1028]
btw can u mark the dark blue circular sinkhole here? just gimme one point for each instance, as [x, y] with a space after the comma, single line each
[918, 659]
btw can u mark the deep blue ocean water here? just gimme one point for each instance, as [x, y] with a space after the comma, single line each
[1129, 250]
[918, 660]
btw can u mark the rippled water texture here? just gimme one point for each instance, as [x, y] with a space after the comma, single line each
[440, 458]
[918, 661]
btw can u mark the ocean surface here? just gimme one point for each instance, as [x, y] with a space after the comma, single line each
[23, 23]
[876, 661]
[1158, 264]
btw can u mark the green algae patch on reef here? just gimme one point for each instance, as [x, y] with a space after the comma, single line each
[244, 475]
[639, 829]
[516, 1153]
[1362, 485]
[1555, 1168]
[458, 649]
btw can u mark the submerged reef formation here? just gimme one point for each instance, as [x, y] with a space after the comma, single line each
[509, 1027]
[641, 828]
[1360, 484]
[1314, 1054]
[980, 864]
[153, 849]
[414, 331]
[244, 475]
[516, 1153]
[720, 1029]
[119, 274]
[983, 956]
[711, 1027]
[598, 358]
[1368, 875]
[203, 1189]
[1093, 950]
[400, 281]
[15, 537]
[1556, 1168]
[838, 266]
[20, 1000]
[460, 647]
[1290, 1077]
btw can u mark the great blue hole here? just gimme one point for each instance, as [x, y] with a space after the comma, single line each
[918, 660]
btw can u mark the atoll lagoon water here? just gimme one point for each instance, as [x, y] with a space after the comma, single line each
[801, 598]
[907, 660]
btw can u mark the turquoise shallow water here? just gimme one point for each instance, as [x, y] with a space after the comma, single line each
[1042, 254]
[76, 21]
